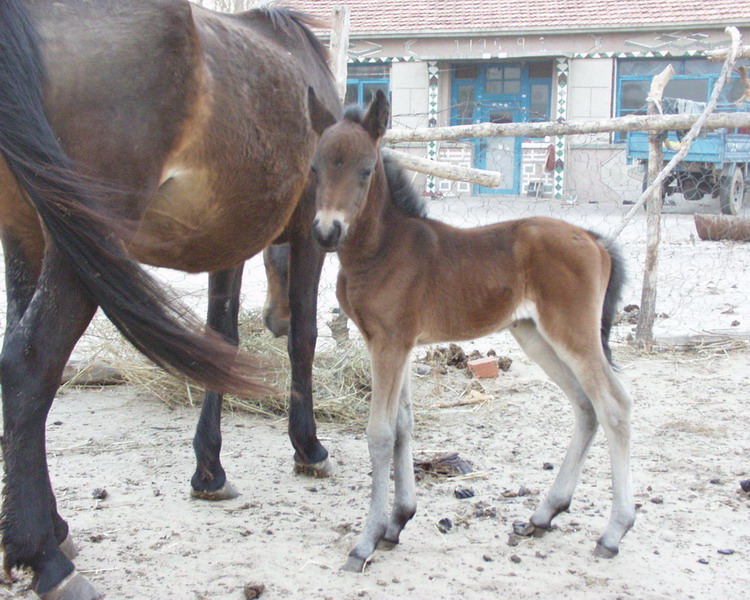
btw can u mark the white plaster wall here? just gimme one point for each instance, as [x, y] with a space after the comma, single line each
[409, 85]
[590, 93]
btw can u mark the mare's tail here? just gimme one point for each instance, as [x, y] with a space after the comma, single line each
[131, 299]
[614, 291]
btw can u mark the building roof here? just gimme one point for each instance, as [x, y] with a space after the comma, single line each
[400, 18]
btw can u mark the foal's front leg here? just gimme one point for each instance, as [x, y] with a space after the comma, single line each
[405, 502]
[388, 366]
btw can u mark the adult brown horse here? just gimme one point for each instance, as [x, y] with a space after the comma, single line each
[406, 279]
[159, 132]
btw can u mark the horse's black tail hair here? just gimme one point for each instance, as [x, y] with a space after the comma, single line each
[65, 201]
[614, 290]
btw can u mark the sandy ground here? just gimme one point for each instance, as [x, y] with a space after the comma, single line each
[691, 447]
[148, 539]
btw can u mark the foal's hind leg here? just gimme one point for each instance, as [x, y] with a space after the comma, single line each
[405, 500]
[388, 366]
[584, 429]
[33, 358]
[209, 481]
[613, 407]
[21, 277]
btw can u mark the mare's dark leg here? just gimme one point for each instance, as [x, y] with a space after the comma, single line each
[210, 481]
[305, 264]
[276, 306]
[35, 351]
[20, 283]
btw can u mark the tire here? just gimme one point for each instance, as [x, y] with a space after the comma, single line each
[732, 191]
[691, 189]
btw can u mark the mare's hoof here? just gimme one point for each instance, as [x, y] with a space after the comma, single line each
[68, 547]
[318, 469]
[227, 492]
[354, 564]
[74, 587]
[602, 551]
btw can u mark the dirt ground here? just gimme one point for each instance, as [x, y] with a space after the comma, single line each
[147, 539]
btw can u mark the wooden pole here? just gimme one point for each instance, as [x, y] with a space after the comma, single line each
[718, 55]
[629, 123]
[339, 47]
[644, 331]
[446, 171]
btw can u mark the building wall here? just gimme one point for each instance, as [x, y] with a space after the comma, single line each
[595, 168]
[409, 96]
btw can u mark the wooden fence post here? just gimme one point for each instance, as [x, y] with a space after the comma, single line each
[644, 331]
[339, 47]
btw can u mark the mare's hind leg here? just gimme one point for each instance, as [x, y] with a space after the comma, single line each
[405, 500]
[33, 358]
[209, 482]
[21, 277]
[560, 495]
[388, 366]
[305, 264]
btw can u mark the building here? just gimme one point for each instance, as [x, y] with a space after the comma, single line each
[449, 62]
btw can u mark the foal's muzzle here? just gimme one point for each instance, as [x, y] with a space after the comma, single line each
[329, 235]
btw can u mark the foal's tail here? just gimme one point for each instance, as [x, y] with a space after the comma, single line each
[614, 290]
[132, 300]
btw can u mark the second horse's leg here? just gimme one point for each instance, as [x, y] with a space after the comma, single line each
[305, 265]
[209, 481]
[21, 276]
[34, 354]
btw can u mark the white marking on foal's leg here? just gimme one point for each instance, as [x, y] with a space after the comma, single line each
[405, 502]
[614, 415]
[387, 373]
[561, 493]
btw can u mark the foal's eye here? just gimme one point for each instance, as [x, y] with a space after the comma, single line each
[366, 173]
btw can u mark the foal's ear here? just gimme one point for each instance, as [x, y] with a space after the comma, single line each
[320, 117]
[375, 121]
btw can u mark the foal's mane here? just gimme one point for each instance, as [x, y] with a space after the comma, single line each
[403, 195]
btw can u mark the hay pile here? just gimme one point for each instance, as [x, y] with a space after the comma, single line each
[341, 376]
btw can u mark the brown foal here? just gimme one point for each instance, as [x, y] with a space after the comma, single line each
[407, 280]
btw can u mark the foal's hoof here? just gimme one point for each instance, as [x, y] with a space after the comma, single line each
[68, 548]
[385, 544]
[319, 469]
[602, 551]
[74, 587]
[354, 564]
[226, 492]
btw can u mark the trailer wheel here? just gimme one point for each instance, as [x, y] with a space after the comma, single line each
[732, 191]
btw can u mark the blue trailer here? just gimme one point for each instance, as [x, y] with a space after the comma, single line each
[718, 163]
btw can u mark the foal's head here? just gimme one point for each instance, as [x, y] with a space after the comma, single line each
[344, 162]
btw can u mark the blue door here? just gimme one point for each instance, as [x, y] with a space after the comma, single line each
[500, 93]
[501, 154]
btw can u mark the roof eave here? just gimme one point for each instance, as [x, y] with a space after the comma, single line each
[535, 31]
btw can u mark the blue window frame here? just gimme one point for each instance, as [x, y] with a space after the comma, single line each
[694, 79]
[363, 81]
